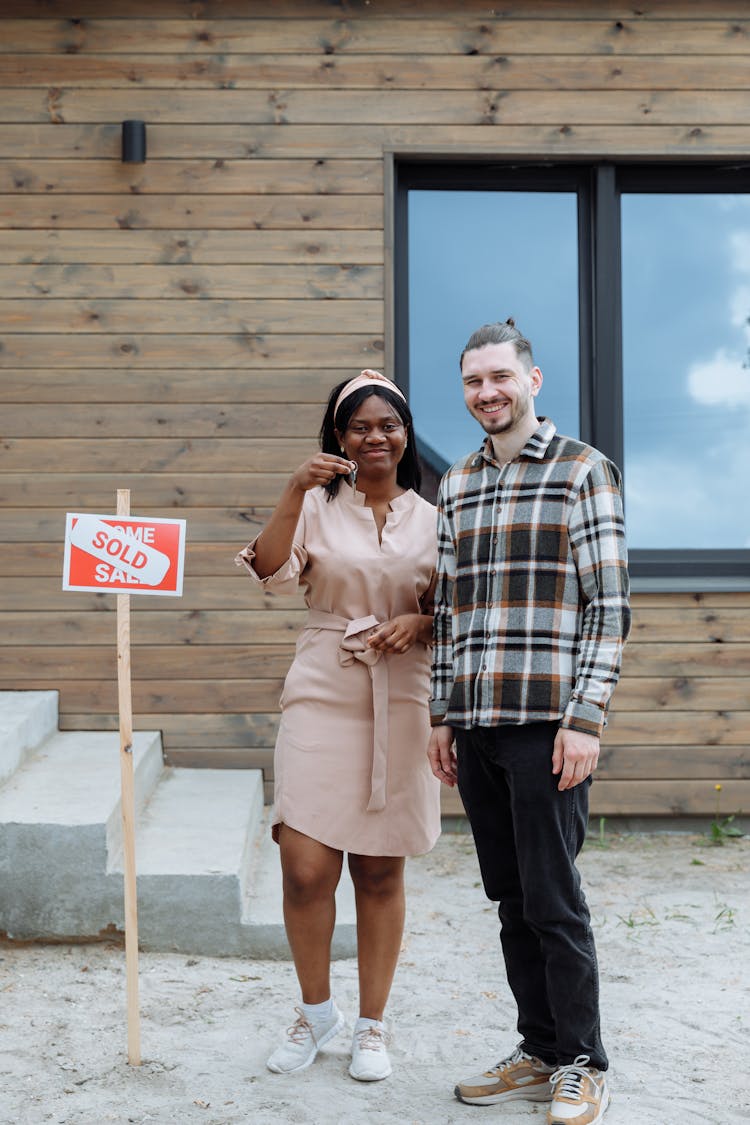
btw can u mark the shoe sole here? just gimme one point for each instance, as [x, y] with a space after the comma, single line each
[314, 1053]
[370, 1077]
[511, 1096]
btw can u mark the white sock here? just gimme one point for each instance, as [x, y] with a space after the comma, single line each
[365, 1022]
[318, 1013]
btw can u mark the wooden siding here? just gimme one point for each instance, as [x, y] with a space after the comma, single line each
[174, 327]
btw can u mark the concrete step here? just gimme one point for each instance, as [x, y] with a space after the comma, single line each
[60, 820]
[26, 719]
[194, 844]
[208, 872]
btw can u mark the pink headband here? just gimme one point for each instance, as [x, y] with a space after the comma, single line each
[366, 378]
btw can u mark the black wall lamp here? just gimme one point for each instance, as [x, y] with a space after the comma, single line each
[133, 142]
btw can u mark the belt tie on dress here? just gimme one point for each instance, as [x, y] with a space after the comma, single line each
[353, 647]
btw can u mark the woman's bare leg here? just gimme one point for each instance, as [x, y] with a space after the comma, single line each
[311, 872]
[379, 895]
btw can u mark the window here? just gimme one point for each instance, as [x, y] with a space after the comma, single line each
[633, 284]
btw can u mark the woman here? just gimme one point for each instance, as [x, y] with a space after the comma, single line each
[350, 768]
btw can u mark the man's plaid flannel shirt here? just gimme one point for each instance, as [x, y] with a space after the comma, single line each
[531, 604]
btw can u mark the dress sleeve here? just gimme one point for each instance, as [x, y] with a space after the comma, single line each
[286, 579]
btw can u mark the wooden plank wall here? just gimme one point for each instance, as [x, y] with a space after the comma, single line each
[174, 327]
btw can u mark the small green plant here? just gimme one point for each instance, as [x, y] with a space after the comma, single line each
[643, 917]
[600, 840]
[725, 918]
[723, 828]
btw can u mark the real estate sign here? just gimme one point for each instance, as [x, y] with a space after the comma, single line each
[116, 554]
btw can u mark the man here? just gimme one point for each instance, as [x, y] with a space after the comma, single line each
[531, 612]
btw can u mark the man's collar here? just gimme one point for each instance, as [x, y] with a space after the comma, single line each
[535, 448]
[539, 442]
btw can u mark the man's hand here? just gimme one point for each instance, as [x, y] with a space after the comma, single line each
[442, 755]
[574, 756]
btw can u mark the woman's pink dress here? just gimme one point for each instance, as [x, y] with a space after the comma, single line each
[350, 765]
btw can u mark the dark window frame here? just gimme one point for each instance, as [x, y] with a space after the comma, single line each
[599, 186]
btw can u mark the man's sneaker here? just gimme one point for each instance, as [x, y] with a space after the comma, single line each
[580, 1094]
[519, 1077]
[370, 1060]
[303, 1041]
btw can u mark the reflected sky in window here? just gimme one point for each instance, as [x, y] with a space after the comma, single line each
[481, 256]
[686, 334]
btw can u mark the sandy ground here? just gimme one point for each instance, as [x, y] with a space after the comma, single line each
[671, 918]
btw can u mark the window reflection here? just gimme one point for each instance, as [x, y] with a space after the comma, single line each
[479, 256]
[686, 370]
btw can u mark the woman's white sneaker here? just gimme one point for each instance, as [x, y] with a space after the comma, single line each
[303, 1041]
[370, 1060]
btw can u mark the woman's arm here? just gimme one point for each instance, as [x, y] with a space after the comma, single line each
[274, 544]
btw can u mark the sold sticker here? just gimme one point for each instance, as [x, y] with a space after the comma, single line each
[123, 553]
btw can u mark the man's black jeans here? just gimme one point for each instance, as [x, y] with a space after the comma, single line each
[527, 836]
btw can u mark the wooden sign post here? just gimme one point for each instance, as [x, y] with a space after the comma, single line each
[127, 803]
[125, 555]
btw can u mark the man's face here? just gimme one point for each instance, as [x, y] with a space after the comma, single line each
[499, 391]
